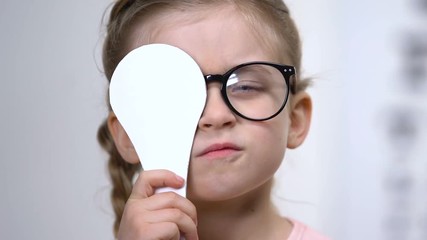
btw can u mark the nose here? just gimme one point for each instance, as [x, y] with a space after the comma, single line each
[216, 114]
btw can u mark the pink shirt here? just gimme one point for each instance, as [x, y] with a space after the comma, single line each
[303, 232]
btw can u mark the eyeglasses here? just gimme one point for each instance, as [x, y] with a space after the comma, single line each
[256, 91]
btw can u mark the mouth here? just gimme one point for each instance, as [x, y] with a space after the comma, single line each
[220, 150]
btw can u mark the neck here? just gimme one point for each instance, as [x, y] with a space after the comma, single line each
[251, 216]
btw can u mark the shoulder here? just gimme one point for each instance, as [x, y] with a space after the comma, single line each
[301, 231]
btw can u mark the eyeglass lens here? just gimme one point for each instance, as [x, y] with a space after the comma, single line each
[257, 91]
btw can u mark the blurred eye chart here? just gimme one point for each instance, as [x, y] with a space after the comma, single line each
[405, 131]
[384, 161]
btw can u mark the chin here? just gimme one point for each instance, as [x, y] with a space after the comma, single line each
[211, 194]
[206, 195]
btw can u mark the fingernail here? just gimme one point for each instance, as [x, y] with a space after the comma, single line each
[180, 179]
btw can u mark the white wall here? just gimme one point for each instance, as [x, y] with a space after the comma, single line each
[53, 177]
[52, 173]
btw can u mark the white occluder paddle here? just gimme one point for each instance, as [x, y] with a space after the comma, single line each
[158, 94]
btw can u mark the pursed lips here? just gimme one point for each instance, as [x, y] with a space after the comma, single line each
[219, 150]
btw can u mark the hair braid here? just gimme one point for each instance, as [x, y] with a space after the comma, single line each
[121, 174]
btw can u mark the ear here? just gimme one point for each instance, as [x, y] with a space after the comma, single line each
[300, 117]
[121, 140]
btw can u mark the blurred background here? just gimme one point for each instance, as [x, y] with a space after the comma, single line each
[362, 173]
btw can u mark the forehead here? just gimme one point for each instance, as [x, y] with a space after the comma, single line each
[222, 32]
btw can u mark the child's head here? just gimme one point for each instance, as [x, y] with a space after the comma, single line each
[219, 35]
[270, 20]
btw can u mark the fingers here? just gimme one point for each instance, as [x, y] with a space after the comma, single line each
[148, 181]
[169, 230]
[184, 223]
[158, 216]
[171, 200]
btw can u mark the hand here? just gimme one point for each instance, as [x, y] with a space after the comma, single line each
[158, 216]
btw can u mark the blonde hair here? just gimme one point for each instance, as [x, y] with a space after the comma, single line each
[275, 22]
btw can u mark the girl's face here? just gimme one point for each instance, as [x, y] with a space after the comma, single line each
[231, 156]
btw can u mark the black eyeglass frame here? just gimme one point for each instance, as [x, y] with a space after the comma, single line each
[286, 71]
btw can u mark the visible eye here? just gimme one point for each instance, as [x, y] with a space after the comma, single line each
[245, 86]
[245, 89]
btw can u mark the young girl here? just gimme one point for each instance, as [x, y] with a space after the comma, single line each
[238, 145]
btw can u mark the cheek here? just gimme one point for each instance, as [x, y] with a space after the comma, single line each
[277, 129]
[271, 138]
